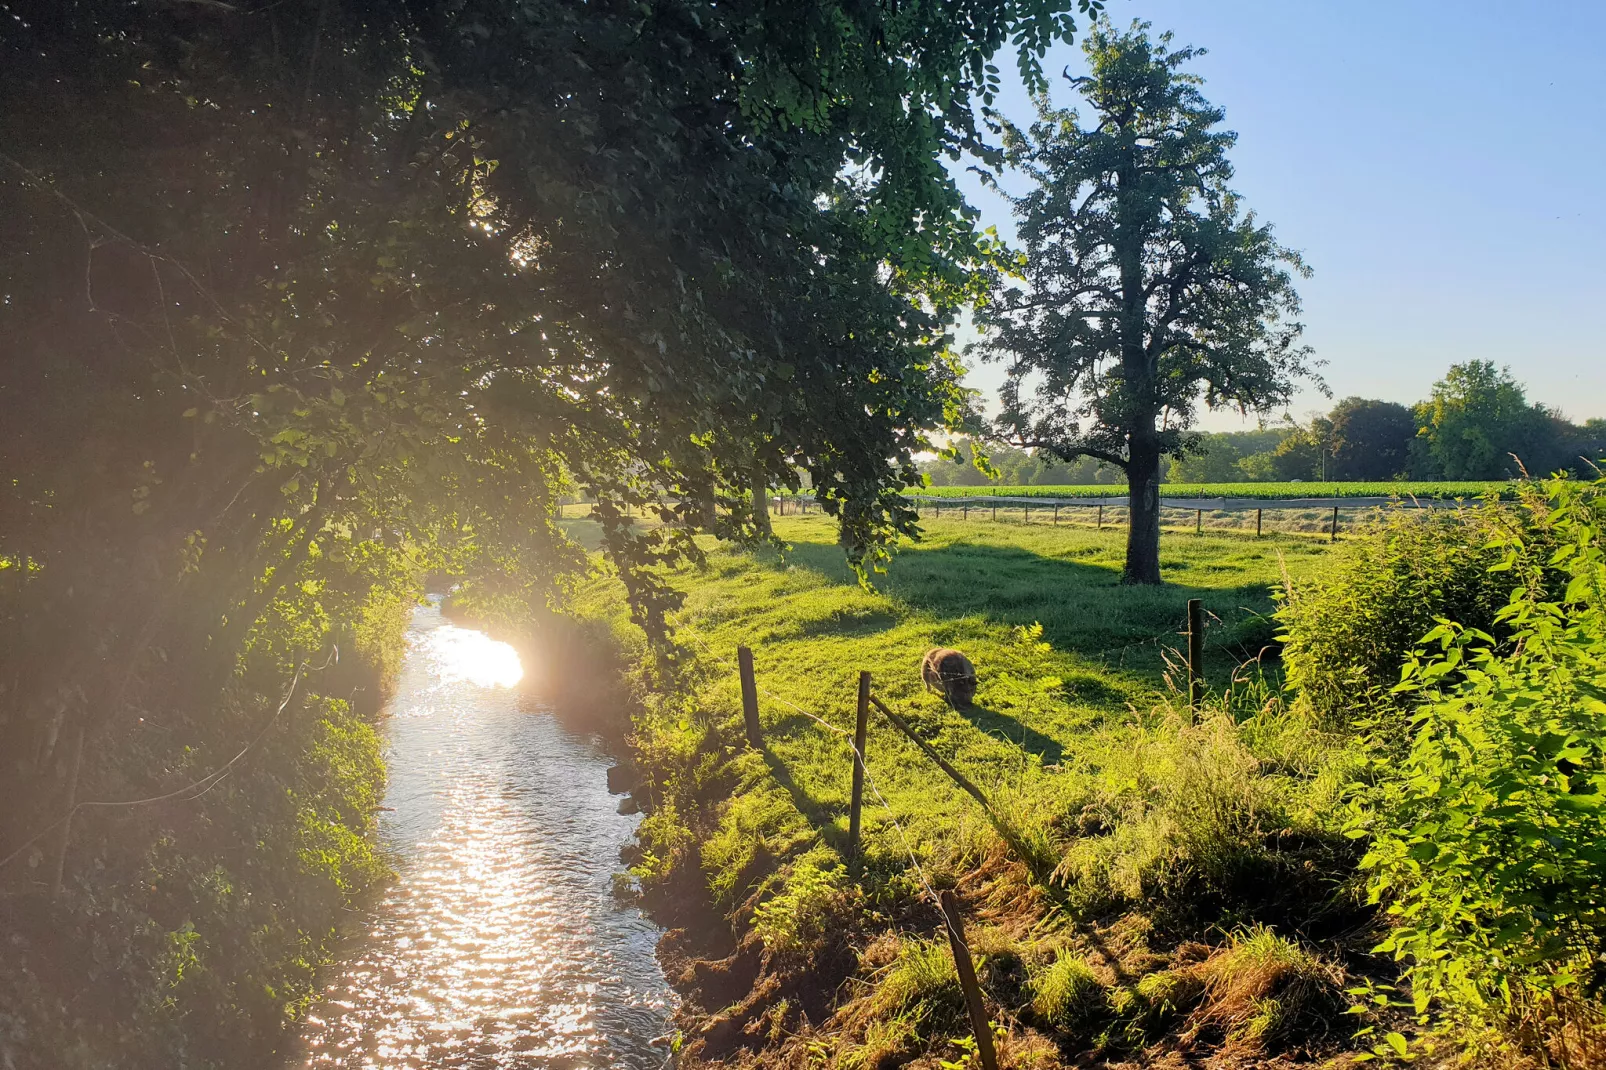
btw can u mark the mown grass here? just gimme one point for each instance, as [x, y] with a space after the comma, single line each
[1075, 734]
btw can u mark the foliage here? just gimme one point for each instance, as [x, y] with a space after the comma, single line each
[306, 298]
[1370, 439]
[1487, 843]
[1224, 457]
[1012, 467]
[795, 919]
[1349, 627]
[1148, 290]
[1478, 424]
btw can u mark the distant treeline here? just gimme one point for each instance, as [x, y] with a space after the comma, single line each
[1477, 425]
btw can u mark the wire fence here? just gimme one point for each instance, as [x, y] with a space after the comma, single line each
[1218, 515]
[1259, 516]
[945, 902]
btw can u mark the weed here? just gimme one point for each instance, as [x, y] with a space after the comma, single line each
[921, 984]
[1067, 995]
[795, 919]
[1266, 991]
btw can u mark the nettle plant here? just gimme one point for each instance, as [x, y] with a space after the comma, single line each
[1490, 842]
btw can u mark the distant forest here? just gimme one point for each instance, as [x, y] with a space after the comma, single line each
[1477, 424]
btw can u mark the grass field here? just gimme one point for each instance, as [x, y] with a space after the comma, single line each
[1420, 489]
[1157, 829]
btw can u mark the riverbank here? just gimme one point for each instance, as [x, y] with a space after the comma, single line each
[1188, 893]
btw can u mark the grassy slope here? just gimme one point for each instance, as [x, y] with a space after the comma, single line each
[1070, 734]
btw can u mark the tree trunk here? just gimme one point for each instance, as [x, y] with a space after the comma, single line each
[1143, 515]
[761, 502]
[1139, 368]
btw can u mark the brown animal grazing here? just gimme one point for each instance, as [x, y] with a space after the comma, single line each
[950, 673]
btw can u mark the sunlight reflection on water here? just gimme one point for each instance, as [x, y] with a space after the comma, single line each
[461, 654]
[501, 944]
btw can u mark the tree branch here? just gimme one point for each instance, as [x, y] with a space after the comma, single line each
[1062, 451]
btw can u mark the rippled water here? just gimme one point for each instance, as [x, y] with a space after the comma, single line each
[501, 945]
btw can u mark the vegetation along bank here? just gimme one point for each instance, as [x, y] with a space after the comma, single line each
[1315, 863]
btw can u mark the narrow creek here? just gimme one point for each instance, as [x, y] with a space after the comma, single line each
[501, 944]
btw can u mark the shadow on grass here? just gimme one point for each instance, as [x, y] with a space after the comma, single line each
[1083, 608]
[1011, 730]
[850, 624]
[821, 816]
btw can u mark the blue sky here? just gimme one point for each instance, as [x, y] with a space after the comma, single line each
[1441, 165]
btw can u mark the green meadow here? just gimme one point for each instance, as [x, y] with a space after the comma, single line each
[1131, 808]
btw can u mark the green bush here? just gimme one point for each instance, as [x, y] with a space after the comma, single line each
[1346, 632]
[1490, 835]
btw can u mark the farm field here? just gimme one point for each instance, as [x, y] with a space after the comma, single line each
[1419, 489]
[1075, 714]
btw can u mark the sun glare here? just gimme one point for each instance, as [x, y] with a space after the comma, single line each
[463, 654]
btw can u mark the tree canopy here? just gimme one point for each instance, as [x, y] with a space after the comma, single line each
[1478, 424]
[304, 298]
[1148, 291]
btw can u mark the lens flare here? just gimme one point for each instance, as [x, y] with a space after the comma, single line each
[462, 654]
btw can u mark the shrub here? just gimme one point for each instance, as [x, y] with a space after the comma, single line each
[1490, 835]
[1346, 633]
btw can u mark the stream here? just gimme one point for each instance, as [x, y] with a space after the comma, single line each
[501, 944]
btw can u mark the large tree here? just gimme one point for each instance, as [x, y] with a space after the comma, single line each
[1478, 424]
[1148, 291]
[1371, 439]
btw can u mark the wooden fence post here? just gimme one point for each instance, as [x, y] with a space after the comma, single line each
[744, 659]
[1198, 521]
[995, 510]
[72, 804]
[1332, 536]
[979, 1023]
[964, 511]
[1257, 523]
[1196, 682]
[1056, 513]
[1101, 516]
[859, 725]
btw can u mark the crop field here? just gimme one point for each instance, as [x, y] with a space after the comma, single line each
[1418, 489]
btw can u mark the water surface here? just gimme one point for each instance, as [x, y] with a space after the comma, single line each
[501, 944]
